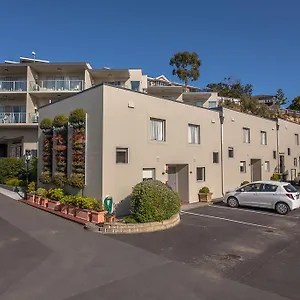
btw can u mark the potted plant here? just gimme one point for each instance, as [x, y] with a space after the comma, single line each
[205, 195]
[55, 195]
[244, 182]
[31, 191]
[41, 194]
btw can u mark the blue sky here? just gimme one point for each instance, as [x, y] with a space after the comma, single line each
[255, 41]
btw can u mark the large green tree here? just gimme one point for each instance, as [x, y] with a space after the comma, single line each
[295, 104]
[231, 88]
[186, 66]
[280, 97]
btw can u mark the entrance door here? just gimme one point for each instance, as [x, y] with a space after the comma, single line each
[3, 150]
[293, 174]
[281, 164]
[255, 169]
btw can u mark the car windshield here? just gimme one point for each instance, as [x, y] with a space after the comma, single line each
[289, 188]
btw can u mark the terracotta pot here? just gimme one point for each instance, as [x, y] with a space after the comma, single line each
[82, 213]
[64, 208]
[30, 197]
[38, 199]
[72, 211]
[205, 197]
[45, 204]
[97, 216]
[52, 204]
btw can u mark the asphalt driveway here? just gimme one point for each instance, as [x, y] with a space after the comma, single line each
[205, 257]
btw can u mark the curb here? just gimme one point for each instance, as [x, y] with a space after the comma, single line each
[122, 228]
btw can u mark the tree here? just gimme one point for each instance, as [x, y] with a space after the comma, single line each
[295, 104]
[231, 88]
[186, 66]
[280, 97]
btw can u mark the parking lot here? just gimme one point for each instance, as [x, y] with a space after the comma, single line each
[255, 247]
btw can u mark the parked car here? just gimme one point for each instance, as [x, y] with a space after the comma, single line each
[281, 196]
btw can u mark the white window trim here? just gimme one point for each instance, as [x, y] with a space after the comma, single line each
[246, 137]
[203, 174]
[244, 165]
[126, 150]
[193, 139]
[155, 133]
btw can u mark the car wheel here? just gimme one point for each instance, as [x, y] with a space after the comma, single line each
[232, 202]
[282, 208]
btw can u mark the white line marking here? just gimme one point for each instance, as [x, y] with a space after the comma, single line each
[228, 220]
[252, 211]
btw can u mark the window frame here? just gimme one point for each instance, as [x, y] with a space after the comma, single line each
[289, 151]
[297, 139]
[267, 163]
[153, 173]
[295, 162]
[244, 166]
[124, 150]
[231, 149]
[263, 138]
[204, 174]
[164, 127]
[217, 160]
[274, 154]
[248, 140]
[191, 125]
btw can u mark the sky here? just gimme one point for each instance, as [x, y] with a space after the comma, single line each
[255, 41]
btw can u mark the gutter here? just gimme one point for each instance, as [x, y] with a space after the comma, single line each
[221, 116]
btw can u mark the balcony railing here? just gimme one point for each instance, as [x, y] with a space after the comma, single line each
[13, 86]
[57, 85]
[8, 118]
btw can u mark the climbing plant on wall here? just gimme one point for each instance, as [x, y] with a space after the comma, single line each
[60, 139]
[77, 122]
[46, 126]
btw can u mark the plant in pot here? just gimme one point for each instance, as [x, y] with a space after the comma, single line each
[205, 195]
[41, 194]
[55, 196]
[244, 182]
[31, 191]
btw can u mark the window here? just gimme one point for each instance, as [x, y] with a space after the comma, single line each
[122, 156]
[242, 166]
[289, 151]
[295, 162]
[297, 139]
[269, 188]
[201, 174]
[158, 129]
[148, 174]
[290, 189]
[194, 134]
[212, 104]
[267, 166]
[246, 135]
[263, 138]
[230, 152]
[135, 85]
[274, 154]
[215, 157]
[199, 103]
[251, 188]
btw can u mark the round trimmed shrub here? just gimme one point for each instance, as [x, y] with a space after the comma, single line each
[153, 201]
[46, 124]
[77, 116]
[60, 120]
[244, 182]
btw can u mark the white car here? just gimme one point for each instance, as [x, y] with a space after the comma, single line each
[281, 196]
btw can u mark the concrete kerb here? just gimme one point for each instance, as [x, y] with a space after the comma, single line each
[123, 228]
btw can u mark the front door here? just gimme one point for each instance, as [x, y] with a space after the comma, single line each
[255, 169]
[172, 178]
[3, 150]
[293, 174]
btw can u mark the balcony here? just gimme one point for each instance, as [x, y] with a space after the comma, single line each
[13, 86]
[17, 118]
[56, 85]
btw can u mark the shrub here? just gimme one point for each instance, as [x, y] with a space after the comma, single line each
[244, 182]
[45, 177]
[56, 194]
[152, 200]
[275, 177]
[42, 192]
[31, 187]
[11, 167]
[46, 124]
[77, 116]
[130, 220]
[76, 180]
[60, 120]
[14, 182]
[204, 190]
[82, 202]
[59, 179]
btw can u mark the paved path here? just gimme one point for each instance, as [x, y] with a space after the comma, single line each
[45, 257]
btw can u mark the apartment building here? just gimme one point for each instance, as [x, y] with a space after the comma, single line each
[27, 85]
[186, 146]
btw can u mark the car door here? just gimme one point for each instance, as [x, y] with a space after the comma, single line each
[266, 197]
[246, 195]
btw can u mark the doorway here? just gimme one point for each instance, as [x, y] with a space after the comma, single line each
[255, 169]
[293, 174]
[281, 164]
[3, 150]
[178, 181]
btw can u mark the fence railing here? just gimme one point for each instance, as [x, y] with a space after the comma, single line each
[56, 85]
[12, 118]
[13, 86]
